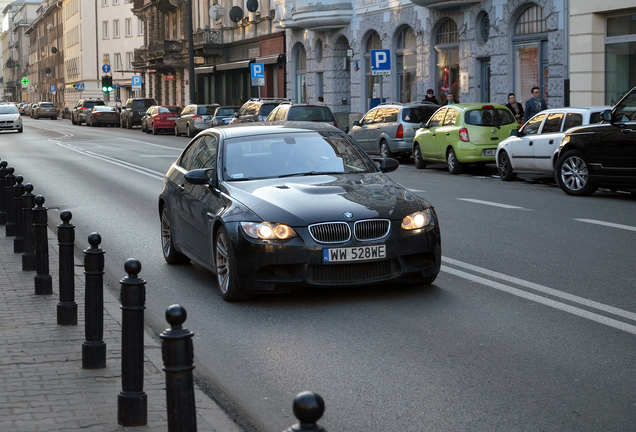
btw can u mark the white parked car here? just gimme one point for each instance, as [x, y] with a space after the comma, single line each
[532, 148]
[10, 118]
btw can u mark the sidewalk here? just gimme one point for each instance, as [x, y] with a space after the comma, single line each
[42, 384]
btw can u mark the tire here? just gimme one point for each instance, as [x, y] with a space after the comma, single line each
[20, 130]
[154, 129]
[454, 166]
[385, 151]
[73, 121]
[93, 124]
[176, 130]
[419, 162]
[572, 175]
[189, 131]
[226, 267]
[170, 254]
[505, 167]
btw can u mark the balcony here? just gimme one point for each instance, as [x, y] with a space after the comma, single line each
[166, 5]
[324, 15]
[444, 4]
[207, 37]
[162, 48]
[139, 57]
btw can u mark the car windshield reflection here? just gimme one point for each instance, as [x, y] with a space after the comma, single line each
[299, 154]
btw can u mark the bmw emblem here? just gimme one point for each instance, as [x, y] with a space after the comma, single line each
[348, 215]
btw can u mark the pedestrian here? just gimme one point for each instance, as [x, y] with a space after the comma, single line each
[535, 104]
[515, 107]
[450, 99]
[321, 99]
[430, 97]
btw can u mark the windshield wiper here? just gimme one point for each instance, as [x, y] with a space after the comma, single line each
[311, 173]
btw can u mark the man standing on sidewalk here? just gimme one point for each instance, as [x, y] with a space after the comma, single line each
[535, 104]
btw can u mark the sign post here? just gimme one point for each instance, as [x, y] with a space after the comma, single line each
[380, 65]
[257, 72]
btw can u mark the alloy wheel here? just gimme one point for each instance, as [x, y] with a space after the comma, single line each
[574, 173]
[223, 269]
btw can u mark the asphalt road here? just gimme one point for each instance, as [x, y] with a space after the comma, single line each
[529, 327]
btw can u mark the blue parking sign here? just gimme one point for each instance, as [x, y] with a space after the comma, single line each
[257, 70]
[380, 62]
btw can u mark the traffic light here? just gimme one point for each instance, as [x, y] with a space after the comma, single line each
[107, 84]
[104, 88]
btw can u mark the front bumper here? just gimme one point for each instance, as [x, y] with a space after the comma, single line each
[10, 125]
[276, 266]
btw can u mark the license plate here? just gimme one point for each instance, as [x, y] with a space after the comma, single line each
[171, 118]
[361, 253]
[490, 152]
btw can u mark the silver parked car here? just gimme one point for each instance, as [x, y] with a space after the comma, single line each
[10, 118]
[223, 115]
[389, 128]
[534, 147]
[194, 119]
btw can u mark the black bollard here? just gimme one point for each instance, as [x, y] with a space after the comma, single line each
[28, 202]
[308, 408]
[18, 191]
[43, 280]
[3, 204]
[8, 200]
[178, 358]
[94, 348]
[132, 402]
[66, 308]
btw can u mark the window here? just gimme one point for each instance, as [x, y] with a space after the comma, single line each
[368, 118]
[128, 27]
[104, 29]
[301, 75]
[140, 27]
[406, 65]
[533, 125]
[447, 53]
[449, 120]
[620, 56]
[118, 62]
[115, 2]
[372, 82]
[129, 60]
[573, 120]
[116, 28]
[436, 120]
[530, 53]
[104, 2]
[553, 123]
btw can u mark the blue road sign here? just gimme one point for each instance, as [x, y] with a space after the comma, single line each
[106, 68]
[80, 87]
[257, 70]
[380, 62]
[136, 81]
[52, 89]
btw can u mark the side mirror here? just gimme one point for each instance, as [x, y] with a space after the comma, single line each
[423, 125]
[235, 114]
[356, 123]
[386, 165]
[515, 132]
[607, 116]
[201, 176]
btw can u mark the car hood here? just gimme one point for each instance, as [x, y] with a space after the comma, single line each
[10, 116]
[299, 201]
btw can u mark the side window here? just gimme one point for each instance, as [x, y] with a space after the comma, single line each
[553, 123]
[252, 109]
[281, 113]
[595, 117]
[243, 110]
[437, 118]
[533, 125]
[380, 116]
[186, 158]
[368, 118]
[573, 120]
[450, 118]
[205, 154]
[391, 115]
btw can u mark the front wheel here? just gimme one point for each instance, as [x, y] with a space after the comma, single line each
[454, 166]
[226, 267]
[572, 175]
[176, 130]
[385, 151]
[170, 254]
[505, 167]
[417, 157]
[154, 129]
[189, 131]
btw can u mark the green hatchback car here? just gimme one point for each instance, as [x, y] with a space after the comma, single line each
[463, 134]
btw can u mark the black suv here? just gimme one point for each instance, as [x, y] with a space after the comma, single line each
[133, 110]
[600, 155]
[255, 110]
[81, 108]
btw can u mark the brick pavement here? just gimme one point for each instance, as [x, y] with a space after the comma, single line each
[42, 384]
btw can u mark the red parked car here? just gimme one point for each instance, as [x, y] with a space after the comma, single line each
[161, 118]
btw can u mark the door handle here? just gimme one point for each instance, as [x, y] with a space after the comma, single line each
[530, 143]
[447, 133]
[551, 141]
[181, 188]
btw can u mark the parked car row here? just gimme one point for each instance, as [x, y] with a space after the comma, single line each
[38, 110]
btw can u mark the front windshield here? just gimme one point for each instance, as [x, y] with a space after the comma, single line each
[626, 109]
[8, 109]
[290, 154]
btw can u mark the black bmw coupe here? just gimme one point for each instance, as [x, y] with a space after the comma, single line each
[274, 207]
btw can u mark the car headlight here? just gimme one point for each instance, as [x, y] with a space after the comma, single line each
[268, 231]
[417, 220]
[17, 118]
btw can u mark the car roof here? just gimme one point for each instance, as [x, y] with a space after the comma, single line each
[262, 128]
[468, 106]
[575, 109]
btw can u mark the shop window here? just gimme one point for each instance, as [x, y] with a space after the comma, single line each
[447, 60]
[620, 56]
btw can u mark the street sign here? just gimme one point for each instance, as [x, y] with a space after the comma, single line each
[380, 62]
[52, 89]
[106, 60]
[257, 71]
[106, 68]
[80, 87]
[24, 81]
[136, 82]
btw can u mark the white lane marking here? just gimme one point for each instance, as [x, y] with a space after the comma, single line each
[545, 301]
[416, 190]
[607, 224]
[494, 204]
[120, 163]
[178, 150]
[543, 289]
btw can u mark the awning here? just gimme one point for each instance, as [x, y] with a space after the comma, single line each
[234, 65]
[269, 59]
[204, 70]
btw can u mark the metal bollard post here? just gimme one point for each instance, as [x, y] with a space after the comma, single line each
[43, 280]
[8, 202]
[18, 191]
[178, 358]
[66, 308]
[28, 202]
[3, 204]
[94, 348]
[308, 408]
[132, 402]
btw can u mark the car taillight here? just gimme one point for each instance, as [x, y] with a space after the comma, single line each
[96, 114]
[84, 109]
[400, 132]
[197, 117]
[488, 107]
[335, 123]
[463, 135]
